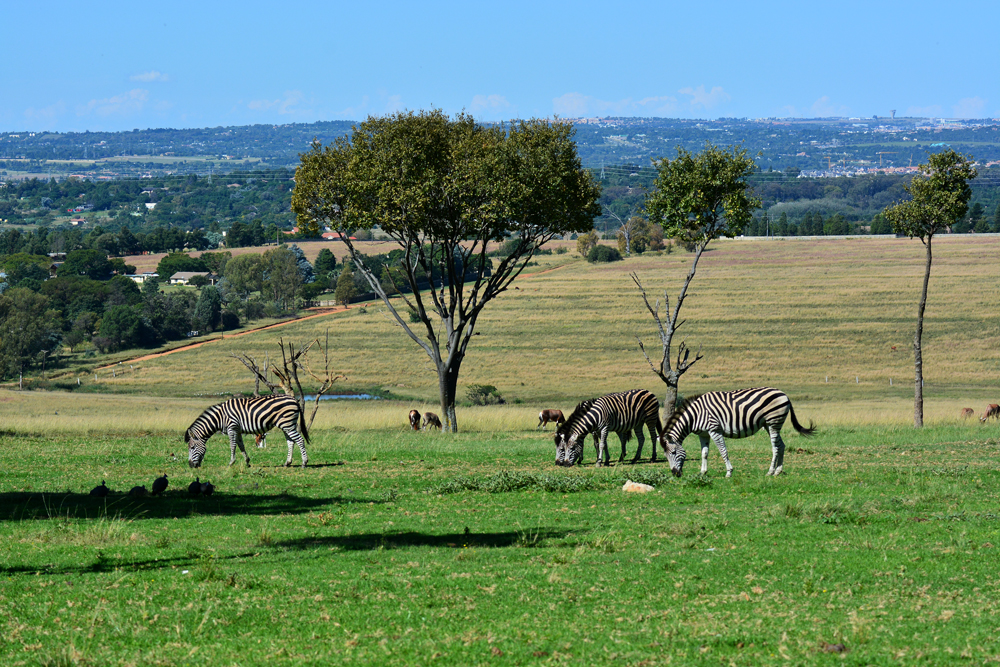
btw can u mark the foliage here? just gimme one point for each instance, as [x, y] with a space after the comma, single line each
[208, 310]
[27, 327]
[484, 394]
[443, 189]
[179, 261]
[587, 242]
[282, 277]
[91, 263]
[603, 253]
[639, 235]
[345, 286]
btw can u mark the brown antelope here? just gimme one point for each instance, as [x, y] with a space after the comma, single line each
[546, 416]
[414, 420]
[431, 419]
[968, 413]
[992, 410]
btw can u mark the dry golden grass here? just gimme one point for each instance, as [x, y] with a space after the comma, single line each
[816, 318]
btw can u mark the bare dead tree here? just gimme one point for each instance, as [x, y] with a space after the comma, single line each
[294, 360]
[670, 375]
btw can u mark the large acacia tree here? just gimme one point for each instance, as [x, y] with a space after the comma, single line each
[939, 198]
[443, 189]
[697, 199]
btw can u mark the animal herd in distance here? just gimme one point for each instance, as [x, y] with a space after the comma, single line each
[712, 416]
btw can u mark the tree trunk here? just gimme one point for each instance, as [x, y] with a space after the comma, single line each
[670, 396]
[448, 385]
[918, 362]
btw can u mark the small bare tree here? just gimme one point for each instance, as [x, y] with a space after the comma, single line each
[287, 375]
[671, 375]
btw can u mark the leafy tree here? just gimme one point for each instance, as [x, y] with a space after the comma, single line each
[215, 262]
[603, 253]
[880, 225]
[121, 327]
[639, 234]
[244, 274]
[443, 189]
[87, 262]
[27, 327]
[996, 220]
[697, 199]
[179, 261]
[208, 310]
[939, 198]
[325, 262]
[345, 286]
[585, 242]
[306, 272]
[281, 276]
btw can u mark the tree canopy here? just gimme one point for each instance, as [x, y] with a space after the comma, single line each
[443, 189]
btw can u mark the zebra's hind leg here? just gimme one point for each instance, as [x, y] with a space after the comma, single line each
[638, 451]
[291, 437]
[777, 452]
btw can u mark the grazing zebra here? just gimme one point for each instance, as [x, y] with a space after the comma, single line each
[730, 414]
[622, 413]
[256, 414]
[567, 425]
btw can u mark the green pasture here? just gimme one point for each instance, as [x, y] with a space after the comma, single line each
[403, 548]
[877, 547]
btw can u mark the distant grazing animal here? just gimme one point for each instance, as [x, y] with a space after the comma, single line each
[137, 492]
[255, 414]
[159, 485]
[621, 413]
[194, 488]
[414, 420]
[992, 410]
[100, 491]
[261, 440]
[968, 413]
[207, 488]
[546, 416]
[730, 414]
[431, 419]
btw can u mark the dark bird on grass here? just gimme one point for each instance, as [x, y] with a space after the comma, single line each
[207, 488]
[159, 485]
[194, 488]
[138, 492]
[100, 491]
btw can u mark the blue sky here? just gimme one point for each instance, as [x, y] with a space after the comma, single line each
[73, 66]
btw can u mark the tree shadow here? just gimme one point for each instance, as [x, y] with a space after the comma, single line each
[528, 537]
[28, 506]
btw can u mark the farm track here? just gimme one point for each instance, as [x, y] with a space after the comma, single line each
[192, 346]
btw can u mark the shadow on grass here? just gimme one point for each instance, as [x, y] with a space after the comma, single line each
[25, 506]
[528, 537]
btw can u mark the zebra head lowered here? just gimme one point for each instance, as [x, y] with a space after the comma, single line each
[196, 448]
[568, 439]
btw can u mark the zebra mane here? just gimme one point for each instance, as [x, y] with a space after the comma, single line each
[680, 410]
[578, 412]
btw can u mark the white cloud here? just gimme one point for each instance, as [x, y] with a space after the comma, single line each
[489, 105]
[823, 108]
[970, 107]
[706, 100]
[120, 105]
[932, 111]
[576, 105]
[45, 114]
[288, 105]
[152, 75]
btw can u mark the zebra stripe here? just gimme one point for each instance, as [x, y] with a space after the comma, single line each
[717, 415]
[257, 414]
[621, 413]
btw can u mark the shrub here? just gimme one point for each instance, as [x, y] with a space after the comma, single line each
[603, 253]
[485, 394]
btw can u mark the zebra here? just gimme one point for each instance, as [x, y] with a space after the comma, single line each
[256, 414]
[730, 414]
[622, 413]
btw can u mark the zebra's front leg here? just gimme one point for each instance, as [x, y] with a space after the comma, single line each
[601, 442]
[623, 438]
[777, 453]
[720, 444]
[236, 440]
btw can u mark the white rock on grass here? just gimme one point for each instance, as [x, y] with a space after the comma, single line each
[636, 487]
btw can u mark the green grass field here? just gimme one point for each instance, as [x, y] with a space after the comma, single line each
[401, 548]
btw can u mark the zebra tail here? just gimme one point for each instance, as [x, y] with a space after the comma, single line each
[798, 427]
[305, 433]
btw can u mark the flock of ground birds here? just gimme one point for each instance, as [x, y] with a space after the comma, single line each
[195, 488]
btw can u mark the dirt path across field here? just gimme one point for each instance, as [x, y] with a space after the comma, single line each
[319, 312]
